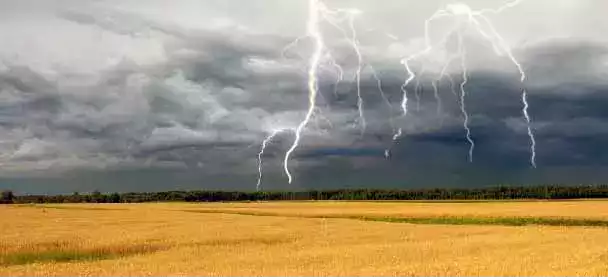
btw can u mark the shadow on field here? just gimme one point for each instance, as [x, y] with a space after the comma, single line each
[68, 252]
[439, 220]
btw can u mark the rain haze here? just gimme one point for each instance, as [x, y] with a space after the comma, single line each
[165, 95]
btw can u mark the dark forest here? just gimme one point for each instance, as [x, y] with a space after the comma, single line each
[547, 192]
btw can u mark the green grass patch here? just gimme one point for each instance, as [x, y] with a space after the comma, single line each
[444, 220]
[62, 255]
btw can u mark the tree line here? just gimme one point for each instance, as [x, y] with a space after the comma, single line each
[491, 193]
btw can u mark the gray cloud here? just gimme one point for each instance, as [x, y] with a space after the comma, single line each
[136, 94]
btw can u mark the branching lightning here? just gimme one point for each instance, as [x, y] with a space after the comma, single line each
[265, 143]
[320, 58]
[334, 18]
[318, 11]
[410, 73]
[475, 19]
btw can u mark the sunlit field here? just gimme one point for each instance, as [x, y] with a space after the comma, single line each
[306, 238]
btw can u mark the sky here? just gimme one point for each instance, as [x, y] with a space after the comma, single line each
[161, 95]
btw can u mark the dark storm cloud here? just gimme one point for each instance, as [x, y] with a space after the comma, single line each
[196, 118]
[568, 130]
[346, 152]
[571, 63]
[569, 122]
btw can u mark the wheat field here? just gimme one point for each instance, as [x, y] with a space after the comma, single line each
[292, 239]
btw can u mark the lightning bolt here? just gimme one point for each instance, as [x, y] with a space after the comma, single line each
[355, 45]
[524, 94]
[475, 19]
[316, 12]
[314, 33]
[265, 143]
[410, 73]
[463, 94]
[334, 18]
[319, 13]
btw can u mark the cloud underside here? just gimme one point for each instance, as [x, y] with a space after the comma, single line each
[196, 118]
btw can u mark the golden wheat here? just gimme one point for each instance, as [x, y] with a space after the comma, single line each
[111, 240]
[565, 209]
